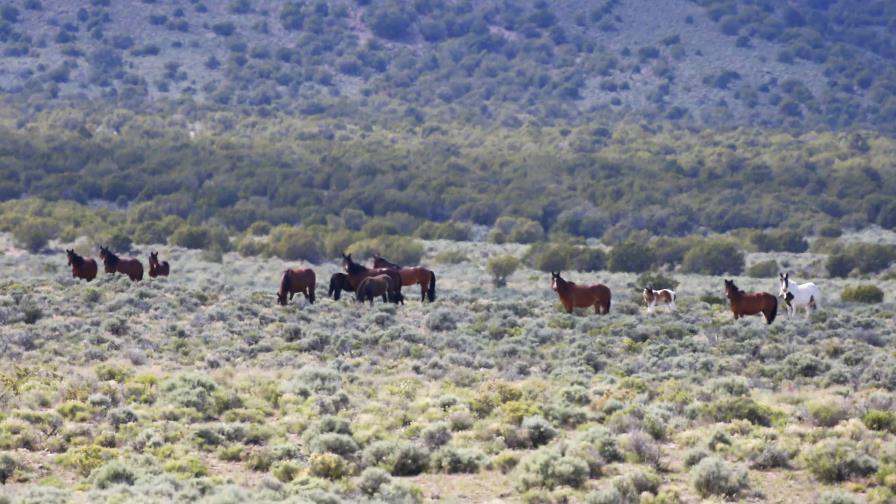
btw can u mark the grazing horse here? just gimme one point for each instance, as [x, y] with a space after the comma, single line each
[81, 267]
[655, 297]
[581, 296]
[743, 303]
[415, 275]
[114, 264]
[357, 273]
[157, 268]
[339, 283]
[296, 280]
[376, 286]
[807, 294]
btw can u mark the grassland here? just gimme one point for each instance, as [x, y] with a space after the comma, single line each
[199, 388]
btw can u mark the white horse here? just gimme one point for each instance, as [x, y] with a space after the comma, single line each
[807, 294]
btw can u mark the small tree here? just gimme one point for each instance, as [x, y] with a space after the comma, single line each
[34, 233]
[502, 267]
[713, 257]
[631, 256]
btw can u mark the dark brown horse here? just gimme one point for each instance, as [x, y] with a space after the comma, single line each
[581, 296]
[339, 283]
[297, 280]
[743, 303]
[131, 267]
[356, 273]
[376, 286]
[412, 275]
[81, 267]
[156, 268]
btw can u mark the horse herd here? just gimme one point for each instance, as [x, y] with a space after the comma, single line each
[385, 280]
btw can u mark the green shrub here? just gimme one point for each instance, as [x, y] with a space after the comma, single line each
[502, 267]
[833, 460]
[739, 408]
[864, 257]
[199, 237]
[631, 256]
[400, 458]
[451, 257]
[328, 465]
[862, 294]
[457, 460]
[656, 280]
[550, 468]
[540, 431]
[783, 240]
[293, 243]
[443, 231]
[8, 466]
[286, 470]
[394, 248]
[764, 269]
[827, 412]
[880, 420]
[112, 473]
[372, 480]
[714, 476]
[804, 364]
[34, 233]
[713, 257]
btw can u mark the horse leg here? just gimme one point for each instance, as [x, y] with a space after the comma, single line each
[568, 307]
[422, 291]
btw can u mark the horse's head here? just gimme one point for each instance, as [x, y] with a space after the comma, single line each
[785, 284]
[730, 288]
[71, 256]
[648, 293]
[555, 280]
[281, 298]
[153, 257]
[346, 261]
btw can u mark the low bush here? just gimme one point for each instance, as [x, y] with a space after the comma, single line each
[713, 476]
[372, 480]
[764, 269]
[457, 460]
[550, 468]
[631, 256]
[780, 240]
[869, 294]
[833, 460]
[8, 466]
[880, 420]
[739, 408]
[501, 267]
[400, 458]
[328, 466]
[656, 280]
[837, 497]
[112, 473]
[539, 430]
[827, 412]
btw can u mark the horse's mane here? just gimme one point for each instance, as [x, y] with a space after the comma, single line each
[111, 258]
[737, 289]
[354, 267]
[76, 259]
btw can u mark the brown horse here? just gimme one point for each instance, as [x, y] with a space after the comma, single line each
[114, 264]
[297, 280]
[356, 273]
[339, 283]
[376, 286]
[157, 268]
[581, 296]
[81, 267]
[743, 303]
[412, 275]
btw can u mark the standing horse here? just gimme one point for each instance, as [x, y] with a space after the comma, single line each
[807, 294]
[114, 264]
[339, 283]
[415, 275]
[296, 280]
[375, 286]
[581, 296]
[81, 267]
[157, 268]
[743, 303]
[663, 297]
[356, 273]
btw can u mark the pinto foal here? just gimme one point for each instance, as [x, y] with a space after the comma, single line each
[662, 297]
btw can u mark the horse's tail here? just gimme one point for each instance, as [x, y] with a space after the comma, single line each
[774, 313]
[431, 294]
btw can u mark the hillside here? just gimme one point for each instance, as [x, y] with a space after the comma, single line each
[803, 64]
